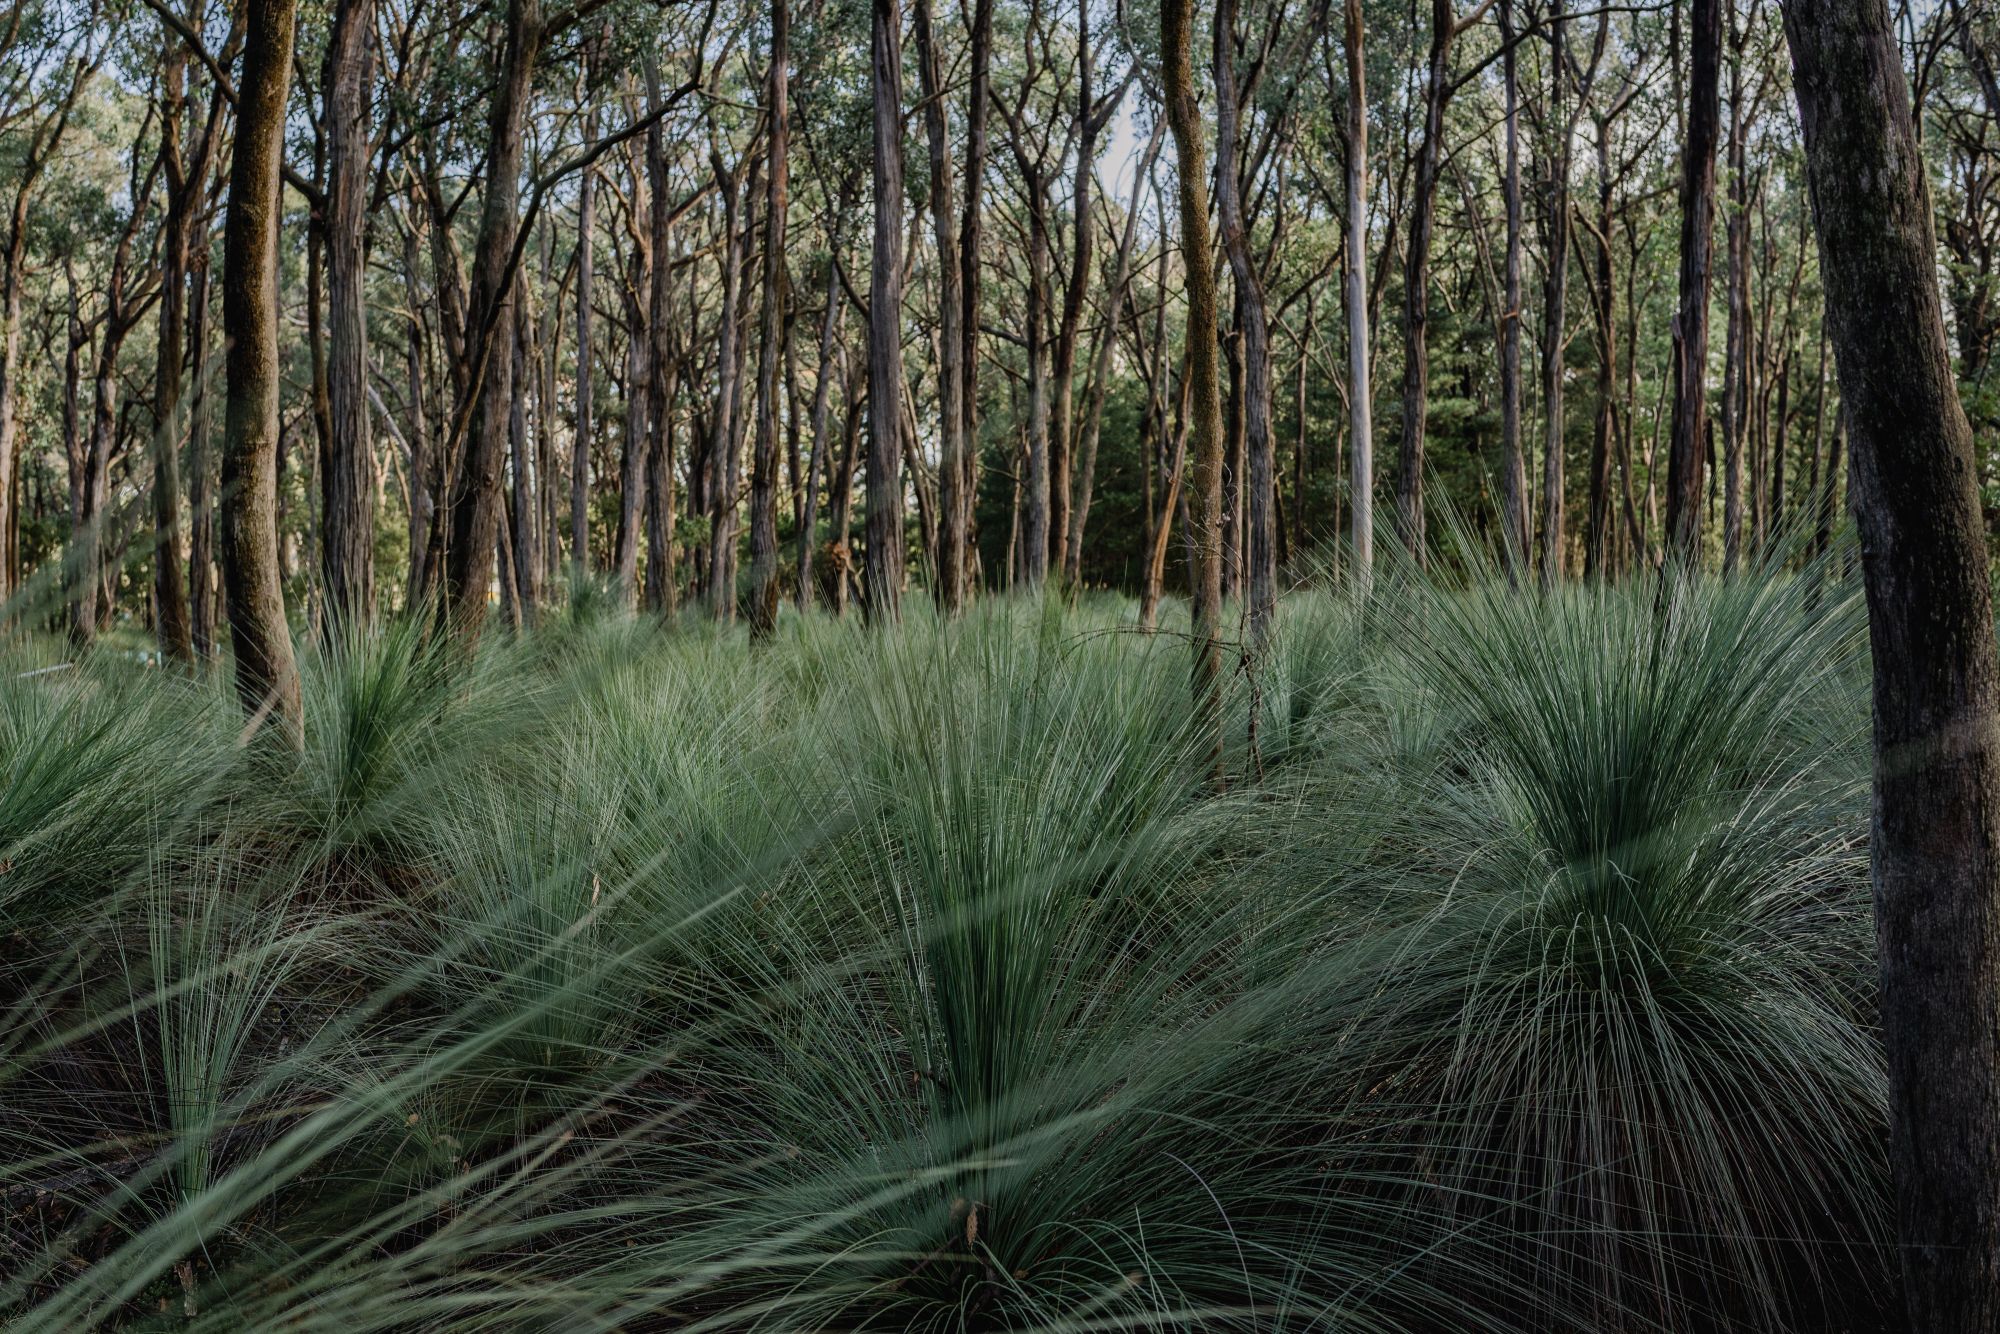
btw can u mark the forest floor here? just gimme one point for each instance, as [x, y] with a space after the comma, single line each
[629, 978]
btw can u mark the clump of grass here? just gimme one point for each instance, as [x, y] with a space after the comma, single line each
[627, 976]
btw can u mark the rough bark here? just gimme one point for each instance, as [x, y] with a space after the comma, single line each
[1688, 440]
[1935, 842]
[771, 339]
[475, 499]
[267, 678]
[347, 496]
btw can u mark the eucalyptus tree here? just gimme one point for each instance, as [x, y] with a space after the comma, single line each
[267, 676]
[1935, 841]
[1688, 443]
[1205, 399]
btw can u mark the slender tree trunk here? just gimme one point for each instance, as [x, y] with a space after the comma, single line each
[637, 441]
[203, 612]
[176, 633]
[1417, 282]
[971, 228]
[347, 481]
[1359, 394]
[1513, 463]
[1935, 842]
[267, 677]
[728, 372]
[1205, 405]
[885, 311]
[1555, 304]
[1061, 439]
[819, 460]
[527, 502]
[1100, 375]
[476, 501]
[954, 509]
[662, 589]
[1686, 445]
[1258, 480]
[764, 466]
[586, 389]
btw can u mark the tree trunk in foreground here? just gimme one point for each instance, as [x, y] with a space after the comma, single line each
[347, 488]
[267, 675]
[1936, 833]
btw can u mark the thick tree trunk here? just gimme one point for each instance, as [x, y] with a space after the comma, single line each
[1688, 441]
[348, 480]
[884, 556]
[1205, 402]
[1935, 842]
[267, 677]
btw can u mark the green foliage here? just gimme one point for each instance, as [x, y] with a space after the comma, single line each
[626, 977]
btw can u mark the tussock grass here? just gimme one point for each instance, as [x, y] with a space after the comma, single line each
[629, 977]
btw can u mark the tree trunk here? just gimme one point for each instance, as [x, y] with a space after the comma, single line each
[819, 460]
[586, 390]
[267, 678]
[1100, 375]
[1360, 410]
[348, 479]
[475, 501]
[1260, 567]
[638, 413]
[1688, 441]
[728, 374]
[1205, 405]
[954, 510]
[1935, 842]
[885, 316]
[1513, 463]
[171, 614]
[1555, 294]
[764, 465]
[1417, 283]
